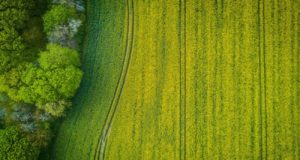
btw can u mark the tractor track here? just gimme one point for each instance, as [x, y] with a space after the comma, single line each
[182, 110]
[101, 145]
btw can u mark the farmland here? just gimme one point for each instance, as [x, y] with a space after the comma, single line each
[187, 79]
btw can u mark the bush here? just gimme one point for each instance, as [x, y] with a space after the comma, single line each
[56, 109]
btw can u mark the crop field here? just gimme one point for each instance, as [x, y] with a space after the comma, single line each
[187, 79]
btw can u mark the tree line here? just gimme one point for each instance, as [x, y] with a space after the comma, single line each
[39, 71]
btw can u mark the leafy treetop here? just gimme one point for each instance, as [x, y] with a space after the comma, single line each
[15, 146]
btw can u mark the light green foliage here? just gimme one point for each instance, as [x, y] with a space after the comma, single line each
[14, 146]
[56, 109]
[57, 56]
[65, 80]
[57, 15]
[61, 69]
[57, 78]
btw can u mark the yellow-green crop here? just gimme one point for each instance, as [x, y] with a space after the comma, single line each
[187, 79]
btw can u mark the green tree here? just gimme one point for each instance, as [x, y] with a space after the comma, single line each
[65, 80]
[11, 46]
[57, 56]
[15, 146]
[48, 84]
[10, 40]
[57, 15]
[13, 13]
[10, 82]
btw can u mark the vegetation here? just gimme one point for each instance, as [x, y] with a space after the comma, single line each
[57, 15]
[206, 80]
[162, 79]
[56, 77]
[15, 146]
[38, 78]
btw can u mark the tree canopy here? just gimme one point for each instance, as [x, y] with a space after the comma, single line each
[15, 146]
[14, 13]
[55, 78]
[57, 15]
[37, 81]
[57, 56]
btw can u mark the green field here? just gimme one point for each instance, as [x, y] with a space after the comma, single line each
[187, 79]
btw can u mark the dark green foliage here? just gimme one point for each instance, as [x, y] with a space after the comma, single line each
[2, 113]
[40, 7]
[3, 97]
[10, 40]
[15, 146]
[11, 46]
[13, 13]
[41, 137]
[10, 82]
[33, 34]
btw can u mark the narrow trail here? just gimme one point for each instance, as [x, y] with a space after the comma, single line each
[101, 145]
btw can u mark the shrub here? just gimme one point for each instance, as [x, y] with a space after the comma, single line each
[57, 109]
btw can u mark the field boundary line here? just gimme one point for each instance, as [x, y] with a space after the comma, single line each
[182, 30]
[262, 78]
[101, 145]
